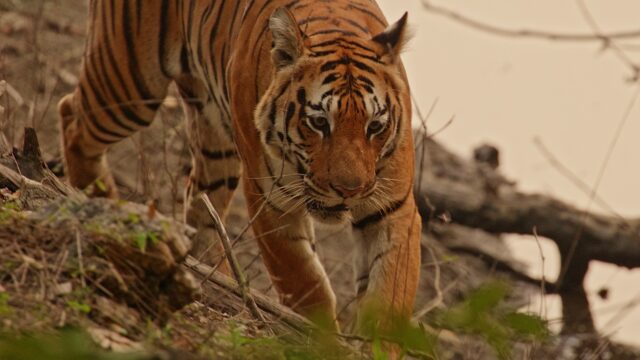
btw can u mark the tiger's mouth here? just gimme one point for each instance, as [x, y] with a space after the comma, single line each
[329, 214]
[315, 205]
[321, 202]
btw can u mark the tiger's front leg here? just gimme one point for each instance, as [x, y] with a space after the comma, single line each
[286, 242]
[387, 267]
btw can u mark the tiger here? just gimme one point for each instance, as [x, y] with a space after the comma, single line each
[304, 103]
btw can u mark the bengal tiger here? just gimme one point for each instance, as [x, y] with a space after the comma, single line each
[304, 101]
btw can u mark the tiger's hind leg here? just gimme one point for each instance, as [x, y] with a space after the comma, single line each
[122, 83]
[216, 169]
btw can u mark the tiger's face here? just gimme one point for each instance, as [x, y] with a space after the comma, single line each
[330, 118]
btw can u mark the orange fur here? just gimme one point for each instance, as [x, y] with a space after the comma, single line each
[305, 102]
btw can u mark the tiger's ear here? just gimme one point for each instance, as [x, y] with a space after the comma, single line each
[287, 38]
[394, 38]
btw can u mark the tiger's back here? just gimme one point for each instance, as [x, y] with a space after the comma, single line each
[305, 102]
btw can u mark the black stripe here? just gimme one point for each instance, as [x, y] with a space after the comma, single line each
[355, 24]
[363, 66]
[162, 35]
[291, 109]
[322, 53]
[361, 287]
[230, 182]
[92, 133]
[379, 215]
[213, 32]
[218, 155]
[345, 44]
[302, 99]
[368, 12]
[330, 78]
[114, 67]
[327, 43]
[95, 73]
[318, 206]
[100, 139]
[333, 31]
[272, 111]
[377, 258]
[118, 103]
[374, 58]
[330, 65]
[114, 16]
[365, 80]
[138, 16]
[312, 19]
[184, 60]
[301, 167]
[134, 68]
[93, 119]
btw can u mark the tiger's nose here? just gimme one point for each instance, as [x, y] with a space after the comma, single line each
[348, 190]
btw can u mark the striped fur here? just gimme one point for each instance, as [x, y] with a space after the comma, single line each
[304, 101]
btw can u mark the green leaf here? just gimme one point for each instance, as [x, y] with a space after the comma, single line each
[5, 308]
[140, 240]
[79, 306]
[378, 352]
[153, 237]
[487, 297]
[67, 344]
[100, 184]
[133, 218]
[527, 325]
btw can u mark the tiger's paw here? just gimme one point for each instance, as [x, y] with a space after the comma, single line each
[90, 173]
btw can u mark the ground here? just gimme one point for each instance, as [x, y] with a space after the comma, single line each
[41, 49]
[41, 46]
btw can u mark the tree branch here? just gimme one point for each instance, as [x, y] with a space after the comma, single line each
[477, 196]
[527, 33]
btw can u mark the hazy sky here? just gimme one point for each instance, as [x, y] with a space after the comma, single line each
[508, 91]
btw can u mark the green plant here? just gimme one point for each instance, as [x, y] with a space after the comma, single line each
[483, 314]
[5, 308]
[8, 210]
[79, 306]
[142, 238]
[67, 344]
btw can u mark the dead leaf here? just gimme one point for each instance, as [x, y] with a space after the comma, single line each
[64, 288]
[111, 340]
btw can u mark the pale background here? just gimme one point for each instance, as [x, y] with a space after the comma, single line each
[507, 91]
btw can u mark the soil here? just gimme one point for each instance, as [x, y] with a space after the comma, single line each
[41, 46]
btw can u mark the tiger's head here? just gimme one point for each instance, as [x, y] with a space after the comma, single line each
[336, 110]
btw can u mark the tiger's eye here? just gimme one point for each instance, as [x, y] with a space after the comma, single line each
[374, 127]
[320, 123]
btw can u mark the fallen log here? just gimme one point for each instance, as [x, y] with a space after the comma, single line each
[475, 195]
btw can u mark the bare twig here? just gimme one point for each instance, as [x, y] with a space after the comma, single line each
[437, 301]
[235, 266]
[268, 305]
[571, 176]
[527, 33]
[566, 260]
[80, 261]
[608, 42]
[442, 128]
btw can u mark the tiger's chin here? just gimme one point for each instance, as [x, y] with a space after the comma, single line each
[329, 214]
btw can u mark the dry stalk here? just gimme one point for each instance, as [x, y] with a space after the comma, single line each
[235, 266]
[438, 300]
[80, 261]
